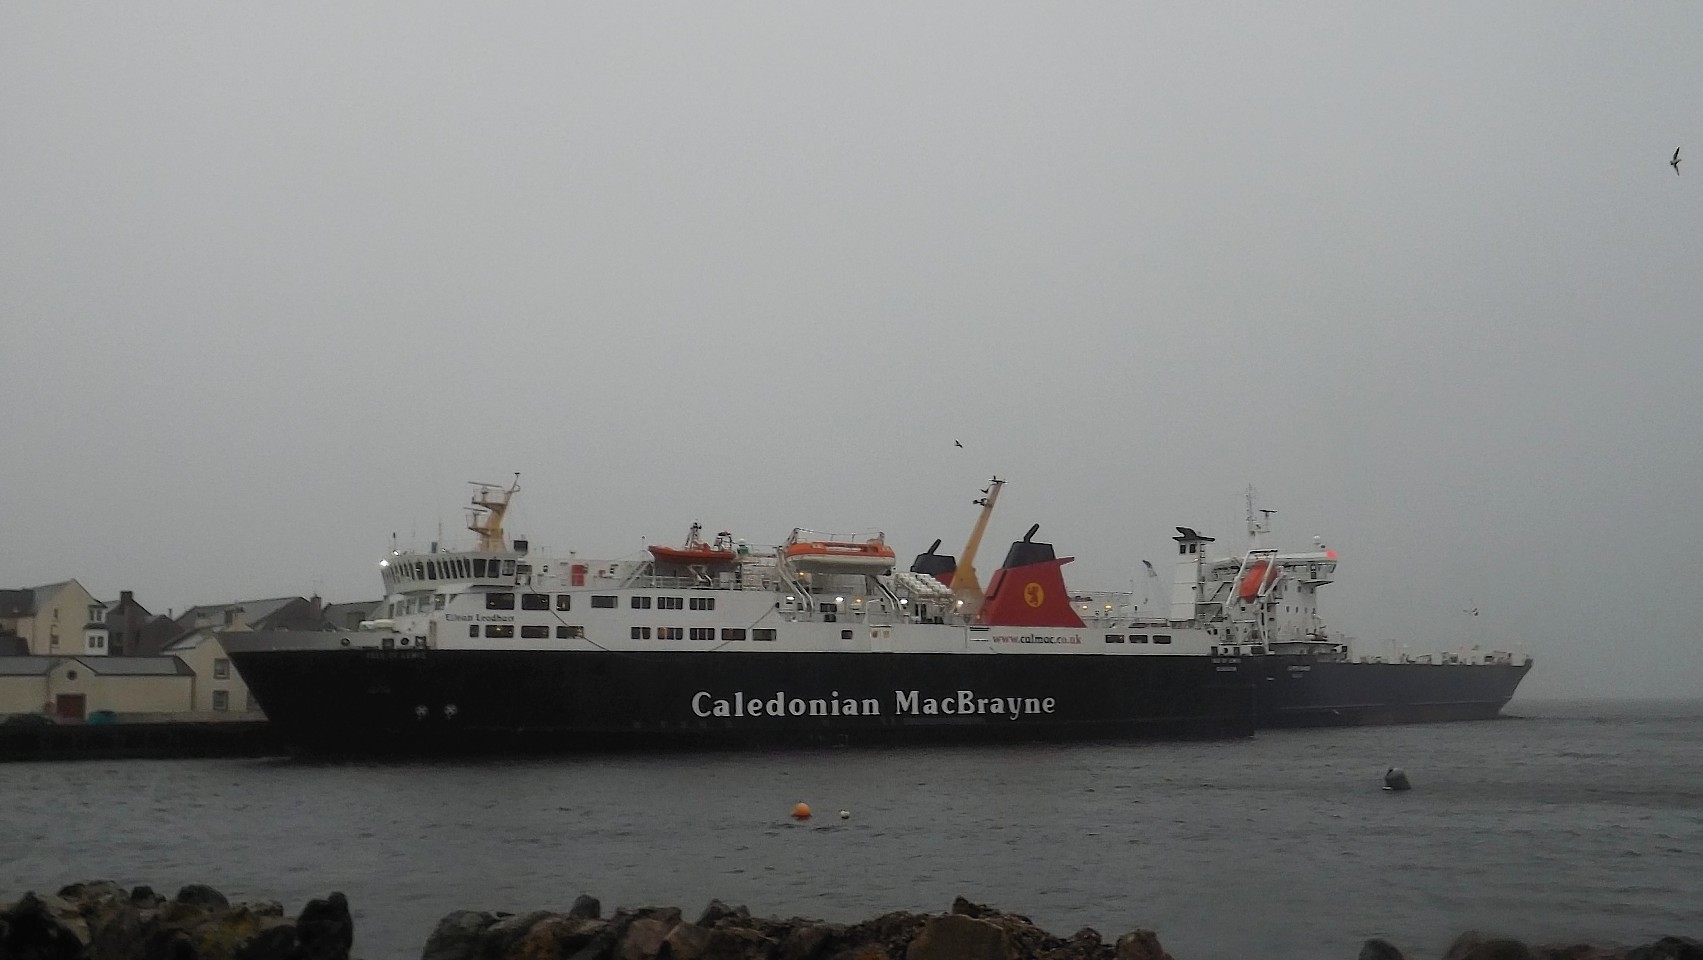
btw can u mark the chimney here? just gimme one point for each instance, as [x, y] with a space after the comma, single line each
[126, 598]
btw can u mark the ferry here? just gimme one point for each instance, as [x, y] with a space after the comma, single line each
[821, 639]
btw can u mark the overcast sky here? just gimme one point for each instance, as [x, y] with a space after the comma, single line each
[276, 280]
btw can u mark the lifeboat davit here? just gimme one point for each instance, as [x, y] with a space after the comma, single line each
[869, 557]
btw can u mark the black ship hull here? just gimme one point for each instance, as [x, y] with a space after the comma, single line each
[459, 701]
[1302, 691]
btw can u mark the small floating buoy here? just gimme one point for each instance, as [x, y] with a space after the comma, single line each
[1395, 780]
[845, 814]
[801, 811]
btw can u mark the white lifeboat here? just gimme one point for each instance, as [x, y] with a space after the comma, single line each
[810, 552]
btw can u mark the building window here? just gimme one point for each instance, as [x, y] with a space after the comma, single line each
[534, 601]
[732, 633]
[641, 603]
[535, 631]
[602, 602]
[641, 633]
[762, 634]
[671, 633]
[702, 633]
[499, 601]
[703, 603]
[671, 603]
[221, 700]
[564, 601]
[500, 631]
[221, 669]
[568, 632]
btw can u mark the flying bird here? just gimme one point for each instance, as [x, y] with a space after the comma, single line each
[960, 444]
[1674, 163]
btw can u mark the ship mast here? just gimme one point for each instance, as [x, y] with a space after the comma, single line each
[966, 588]
[1259, 525]
[485, 516]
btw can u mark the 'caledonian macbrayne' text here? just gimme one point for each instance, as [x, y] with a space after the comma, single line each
[905, 703]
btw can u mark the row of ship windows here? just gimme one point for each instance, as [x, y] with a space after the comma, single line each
[530, 631]
[565, 601]
[477, 568]
[1138, 638]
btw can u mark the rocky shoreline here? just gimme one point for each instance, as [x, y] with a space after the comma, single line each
[101, 920]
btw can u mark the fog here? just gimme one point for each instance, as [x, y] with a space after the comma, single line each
[275, 282]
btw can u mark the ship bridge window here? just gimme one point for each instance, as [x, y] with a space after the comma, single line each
[479, 567]
[671, 603]
[535, 601]
[1161, 638]
[438, 601]
[419, 570]
[499, 631]
[733, 633]
[602, 602]
[508, 568]
[703, 603]
[535, 631]
[499, 601]
[641, 603]
[567, 632]
[564, 601]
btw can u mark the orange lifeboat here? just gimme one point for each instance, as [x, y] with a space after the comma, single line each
[695, 552]
[868, 557]
[1259, 573]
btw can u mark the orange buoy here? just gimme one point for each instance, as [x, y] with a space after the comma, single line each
[801, 811]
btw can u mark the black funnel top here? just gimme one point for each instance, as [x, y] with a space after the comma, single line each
[934, 564]
[1026, 551]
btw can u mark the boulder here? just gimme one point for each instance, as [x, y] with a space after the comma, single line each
[1376, 949]
[1668, 948]
[807, 940]
[644, 938]
[36, 928]
[729, 942]
[324, 929]
[956, 936]
[456, 937]
[202, 896]
[1473, 945]
[554, 937]
[717, 911]
[586, 906]
[1140, 944]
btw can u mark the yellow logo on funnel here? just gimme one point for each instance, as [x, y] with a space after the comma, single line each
[1033, 595]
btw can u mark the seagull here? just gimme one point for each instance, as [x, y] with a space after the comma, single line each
[960, 444]
[1674, 163]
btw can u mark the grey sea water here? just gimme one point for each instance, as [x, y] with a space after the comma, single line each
[1562, 822]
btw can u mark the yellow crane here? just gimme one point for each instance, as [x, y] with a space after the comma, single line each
[966, 588]
[485, 516]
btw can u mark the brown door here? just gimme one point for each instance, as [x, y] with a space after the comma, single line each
[70, 706]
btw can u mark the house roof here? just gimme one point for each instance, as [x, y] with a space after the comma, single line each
[136, 666]
[26, 666]
[253, 611]
[12, 645]
[339, 614]
[17, 603]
